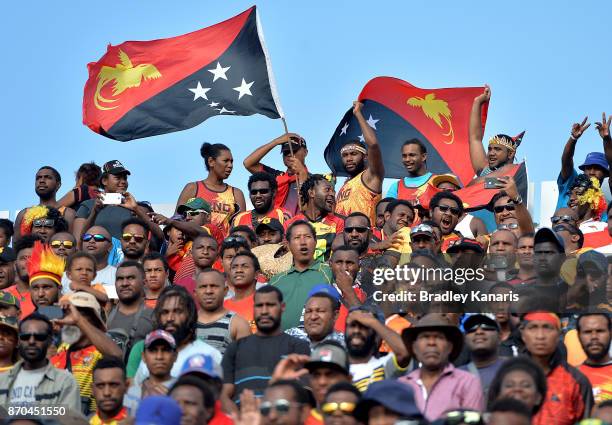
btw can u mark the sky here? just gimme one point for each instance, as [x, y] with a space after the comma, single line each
[548, 65]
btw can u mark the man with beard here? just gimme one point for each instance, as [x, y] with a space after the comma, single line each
[364, 164]
[399, 214]
[134, 239]
[109, 387]
[46, 184]
[269, 231]
[508, 207]
[262, 192]
[216, 325]
[176, 314]
[445, 208]
[499, 265]
[365, 330]
[42, 221]
[317, 200]
[62, 244]
[414, 158]
[249, 362]
[97, 242]
[84, 343]
[45, 271]
[357, 233]
[34, 379]
[21, 288]
[594, 332]
[7, 266]
[524, 256]
[131, 314]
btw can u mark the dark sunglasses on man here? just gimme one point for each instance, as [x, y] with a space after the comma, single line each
[259, 191]
[562, 219]
[281, 407]
[37, 337]
[358, 229]
[500, 208]
[43, 222]
[445, 208]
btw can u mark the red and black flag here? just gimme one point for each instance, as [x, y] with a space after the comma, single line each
[145, 88]
[399, 111]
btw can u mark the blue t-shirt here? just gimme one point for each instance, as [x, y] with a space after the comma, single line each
[408, 182]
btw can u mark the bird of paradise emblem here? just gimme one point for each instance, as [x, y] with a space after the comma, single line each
[125, 76]
[437, 110]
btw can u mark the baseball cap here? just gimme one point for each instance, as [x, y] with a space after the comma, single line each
[115, 167]
[393, 395]
[295, 145]
[438, 179]
[369, 309]
[9, 322]
[325, 288]
[596, 258]
[84, 299]
[595, 158]
[422, 229]
[158, 410]
[194, 204]
[204, 364]
[270, 223]
[9, 299]
[480, 319]
[7, 254]
[546, 234]
[160, 335]
[461, 244]
[329, 355]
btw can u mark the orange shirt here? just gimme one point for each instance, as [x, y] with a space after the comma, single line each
[244, 308]
[25, 301]
[354, 196]
[600, 378]
[315, 418]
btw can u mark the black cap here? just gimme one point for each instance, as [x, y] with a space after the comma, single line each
[296, 144]
[270, 223]
[546, 234]
[7, 254]
[115, 167]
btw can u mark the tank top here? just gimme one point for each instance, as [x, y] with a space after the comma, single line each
[216, 334]
[223, 204]
[354, 196]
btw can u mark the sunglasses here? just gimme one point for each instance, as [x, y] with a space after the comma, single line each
[281, 406]
[562, 218]
[193, 213]
[464, 417]
[344, 407]
[37, 337]
[129, 236]
[232, 239]
[483, 326]
[97, 237]
[357, 229]
[446, 208]
[509, 226]
[500, 208]
[43, 222]
[65, 244]
[259, 191]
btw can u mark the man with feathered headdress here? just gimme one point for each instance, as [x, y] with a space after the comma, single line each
[587, 199]
[45, 271]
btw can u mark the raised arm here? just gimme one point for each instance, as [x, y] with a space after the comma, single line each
[140, 212]
[604, 131]
[478, 155]
[189, 229]
[253, 161]
[508, 185]
[567, 158]
[375, 171]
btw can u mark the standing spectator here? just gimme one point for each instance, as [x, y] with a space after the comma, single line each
[230, 247]
[340, 403]
[84, 343]
[569, 396]
[364, 164]
[482, 339]
[399, 214]
[159, 355]
[445, 209]
[42, 221]
[243, 277]
[318, 199]
[204, 252]
[97, 242]
[130, 313]
[9, 334]
[249, 362]
[262, 192]
[225, 200]
[588, 201]
[356, 233]
[87, 186]
[509, 335]
[305, 274]
[63, 244]
[365, 330]
[414, 159]
[194, 397]
[520, 379]
[594, 330]
[294, 151]
[6, 232]
[381, 206]
[109, 387]
[438, 385]
[216, 325]
[46, 184]
[193, 219]
[34, 379]
[246, 233]
[156, 277]
[21, 288]
[7, 266]
[388, 402]
[508, 207]
[134, 239]
[285, 402]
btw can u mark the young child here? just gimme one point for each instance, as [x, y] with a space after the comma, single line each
[81, 271]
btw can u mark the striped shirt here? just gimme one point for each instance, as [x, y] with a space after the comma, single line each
[216, 334]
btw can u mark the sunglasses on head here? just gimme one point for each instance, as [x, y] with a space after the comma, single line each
[467, 417]
[232, 239]
[446, 208]
[345, 407]
[129, 236]
[281, 406]
[37, 337]
[483, 326]
[97, 237]
[358, 229]
[193, 213]
[65, 244]
[509, 226]
[562, 218]
[259, 191]
[43, 222]
[500, 208]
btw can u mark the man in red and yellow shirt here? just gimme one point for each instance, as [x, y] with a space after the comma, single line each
[109, 387]
[594, 332]
[262, 192]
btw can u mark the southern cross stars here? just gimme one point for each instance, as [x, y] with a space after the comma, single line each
[372, 122]
[344, 128]
[199, 91]
[244, 89]
[219, 72]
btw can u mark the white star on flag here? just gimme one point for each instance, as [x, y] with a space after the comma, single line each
[344, 128]
[219, 72]
[213, 104]
[372, 122]
[361, 138]
[223, 110]
[199, 91]
[244, 89]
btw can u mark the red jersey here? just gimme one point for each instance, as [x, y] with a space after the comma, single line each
[354, 196]
[600, 377]
[223, 204]
[326, 229]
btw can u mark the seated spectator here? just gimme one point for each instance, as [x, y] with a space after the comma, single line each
[594, 333]
[87, 186]
[33, 379]
[216, 325]
[81, 273]
[569, 396]
[508, 207]
[9, 333]
[525, 259]
[204, 252]
[109, 388]
[509, 336]
[287, 400]
[97, 242]
[438, 385]
[269, 231]
[193, 396]
[243, 277]
[509, 411]
[159, 410]
[387, 402]
[262, 192]
[445, 208]
[156, 277]
[45, 271]
[159, 355]
[21, 288]
[9, 305]
[229, 249]
[84, 343]
[347, 270]
[306, 272]
[399, 215]
[356, 233]
[134, 239]
[365, 330]
[7, 267]
[249, 362]
[340, 403]
[62, 244]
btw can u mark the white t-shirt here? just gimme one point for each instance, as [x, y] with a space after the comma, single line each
[105, 277]
[24, 389]
[196, 347]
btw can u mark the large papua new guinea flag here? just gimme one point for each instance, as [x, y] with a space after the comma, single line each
[399, 111]
[145, 88]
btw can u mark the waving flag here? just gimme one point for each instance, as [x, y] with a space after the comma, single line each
[145, 88]
[399, 111]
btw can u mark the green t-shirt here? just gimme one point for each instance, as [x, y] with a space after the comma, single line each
[134, 359]
[295, 287]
